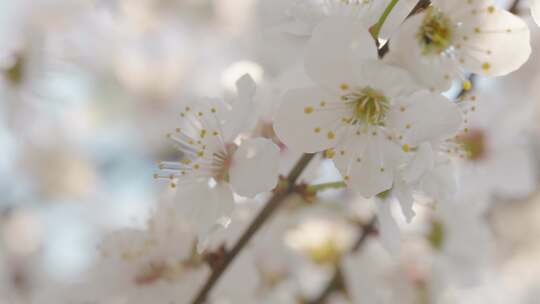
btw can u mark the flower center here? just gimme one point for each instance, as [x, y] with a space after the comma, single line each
[370, 106]
[435, 34]
[474, 144]
[15, 73]
[328, 252]
[222, 162]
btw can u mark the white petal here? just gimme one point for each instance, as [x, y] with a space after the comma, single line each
[337, 47]
[367, 163]
[425, 116]
[535, 10]
[440, 183]
[255, 167]
[390, 79]
[240, 116]
[403, 193]
[203, 205]
[396, 17]
[422, 162]
[304, 125]
[388, 229]
[493, 42]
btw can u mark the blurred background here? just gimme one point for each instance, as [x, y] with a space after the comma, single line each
[89, 88]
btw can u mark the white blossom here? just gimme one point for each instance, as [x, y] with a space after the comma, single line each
[212, 165]
[365, 114]
[158, 264]
[454, 37]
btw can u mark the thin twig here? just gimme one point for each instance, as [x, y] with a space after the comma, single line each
[273, 203]
[514, 7]
[337, 282]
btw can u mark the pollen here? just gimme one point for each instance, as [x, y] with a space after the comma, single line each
[329, 153]
[344, 86]
[308, 110]
[491, 9]
[436, 32]
[331, 135]
[467, 85]
[369, 105]
[406, 148]
[486, 66]
[317, 130]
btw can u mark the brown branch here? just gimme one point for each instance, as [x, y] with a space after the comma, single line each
[273, 203]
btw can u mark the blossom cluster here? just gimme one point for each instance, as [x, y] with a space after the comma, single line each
[285, 189]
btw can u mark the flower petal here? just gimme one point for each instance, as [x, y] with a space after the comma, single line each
[203, 205]
[390, 79]
[441, 182]
[388, 228]
[255, 167]
[348, 41]
[403, 193]
[310, 120]
[422, 162]
[484, 39]
[367, 163]
[425, 116]
[240, 115]
[535, 10]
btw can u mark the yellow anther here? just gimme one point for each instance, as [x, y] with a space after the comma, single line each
[331, 135]
[329, 153]
[406, 148]
[308, 110]
[467, 85]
